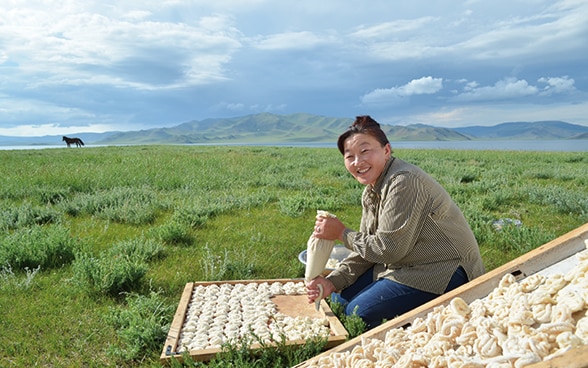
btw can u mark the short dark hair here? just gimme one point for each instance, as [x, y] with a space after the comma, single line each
[363, 125]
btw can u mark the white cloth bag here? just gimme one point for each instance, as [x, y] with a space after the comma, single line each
[318, 252]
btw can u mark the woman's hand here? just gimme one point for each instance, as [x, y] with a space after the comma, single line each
[312, 290]
[328, 228]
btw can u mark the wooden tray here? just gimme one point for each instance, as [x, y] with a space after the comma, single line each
[290, 305]
[541, 258]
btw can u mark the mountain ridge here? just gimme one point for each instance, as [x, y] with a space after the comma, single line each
[303, 127]
[306, 128]
[523, 130]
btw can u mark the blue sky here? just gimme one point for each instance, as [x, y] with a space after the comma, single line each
[93, 66]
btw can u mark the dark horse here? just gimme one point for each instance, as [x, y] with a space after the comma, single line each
[69, 141]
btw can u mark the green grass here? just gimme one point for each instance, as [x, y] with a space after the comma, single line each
[97, 244]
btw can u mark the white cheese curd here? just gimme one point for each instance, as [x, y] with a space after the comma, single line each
[516, 324]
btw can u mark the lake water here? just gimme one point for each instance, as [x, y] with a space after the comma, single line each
[508, 145]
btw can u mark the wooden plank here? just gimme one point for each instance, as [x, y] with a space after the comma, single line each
[534, 261]
[290, 305]
[339, 332]
[173, 334]
[296, 305]
[575, 358]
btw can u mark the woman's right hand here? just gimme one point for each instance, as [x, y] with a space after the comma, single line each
[328, 228]
[312, 289]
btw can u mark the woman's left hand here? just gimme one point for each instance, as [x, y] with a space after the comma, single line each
[312, 290]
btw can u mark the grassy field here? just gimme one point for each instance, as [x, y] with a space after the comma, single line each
[97, 244]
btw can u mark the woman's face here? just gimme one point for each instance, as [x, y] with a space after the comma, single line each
[365, 157]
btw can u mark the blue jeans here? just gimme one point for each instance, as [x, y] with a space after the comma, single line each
[385, 299]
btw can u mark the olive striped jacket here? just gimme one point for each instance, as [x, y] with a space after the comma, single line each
[411, 231]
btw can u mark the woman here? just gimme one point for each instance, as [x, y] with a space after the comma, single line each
[413, 244]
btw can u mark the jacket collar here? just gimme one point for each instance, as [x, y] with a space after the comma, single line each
[377, 188]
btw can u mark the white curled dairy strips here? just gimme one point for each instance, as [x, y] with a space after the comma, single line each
[516, 324]
[318, 252]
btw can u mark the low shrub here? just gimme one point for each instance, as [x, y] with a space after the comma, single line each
[173, 233]
[141, 326]
[9, 281]
[198, 208]
[323, 198]
[134, 206]
[139, 249]
[117, 270]
[27, 215]
[518, 239]
[49, 195]
[565, 202]
[108, 275]
[44, 246]
[229, 267]
[353, 323]
[195, 217]
[275, 353]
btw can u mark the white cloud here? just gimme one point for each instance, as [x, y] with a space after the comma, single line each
[36, 111]
[424, 85]
[487, 115]
[513, 89]
[504, 89]
[288, 41]
[554, 31]
[239, 107]
[557, 84]
[77, 46]
[390, 29]
[29, 130]
[232, 106]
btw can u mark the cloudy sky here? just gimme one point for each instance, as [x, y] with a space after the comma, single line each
[69, 66]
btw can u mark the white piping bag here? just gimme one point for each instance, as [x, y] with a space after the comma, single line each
[318, 252]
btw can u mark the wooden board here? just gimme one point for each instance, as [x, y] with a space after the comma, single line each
[575, 358]
[297, 305]
[290, 305]
[549, 254]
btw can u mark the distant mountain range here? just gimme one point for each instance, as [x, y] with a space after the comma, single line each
[307, 128]
[520, 130]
